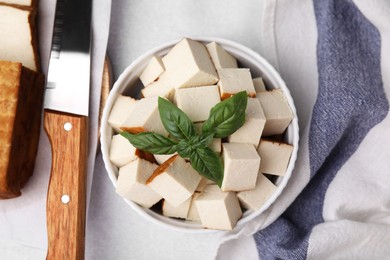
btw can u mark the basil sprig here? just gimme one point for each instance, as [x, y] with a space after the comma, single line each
[227, 116]
[224, 119]
[175, 121]
[151, 142]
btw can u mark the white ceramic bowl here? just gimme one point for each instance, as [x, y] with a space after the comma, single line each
[129, 84]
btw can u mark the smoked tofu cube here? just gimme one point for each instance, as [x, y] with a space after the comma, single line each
[161, 158]
[193, 214]
[175, 180]
[161, 87]
[24, 3]
[241, 166]
[18, 35]
[233, 81]
[250, 132]
[216, 143]
[275, 157]
[145, 117]
[203, 183]
[132, 183]
[121, 151]
[259, 85]
[120, 111]
[190, 65]
[197, 102]
[152, 71]
[180, 211]
[276, 110]
[21, 100]
[218, 209]
[220, 57]
[254, 199]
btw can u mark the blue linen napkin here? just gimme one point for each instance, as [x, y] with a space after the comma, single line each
[351, 101]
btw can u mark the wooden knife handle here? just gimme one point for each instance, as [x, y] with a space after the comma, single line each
[66, 198]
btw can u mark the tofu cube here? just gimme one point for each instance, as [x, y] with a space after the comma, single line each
[193, 214]
[220, 57]
[175, 180]
[203, 183]
[162, 87]
[250, 132]
[275, 157]
[152, 71]
[276, 110]
[259, 85]
[233, 81]
[121, 151]
[254, 199]
[132, 183]
[218, 209]
[190, 65]
[241, 166]
[180, 211]
[216, 143]
[161, 158]
[197, 102]
[145, 117]
[18, 35]
[120, 111]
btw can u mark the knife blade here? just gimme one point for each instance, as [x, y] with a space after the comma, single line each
[66, 125]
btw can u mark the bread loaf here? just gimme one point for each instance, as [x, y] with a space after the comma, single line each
[21, 98]
[18, 36]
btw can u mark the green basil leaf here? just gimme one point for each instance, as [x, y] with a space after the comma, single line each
[185, 148]
[151, 142]
[205, 139]
[201, 141]
[227, 116]
[175, 121]
[208, 164]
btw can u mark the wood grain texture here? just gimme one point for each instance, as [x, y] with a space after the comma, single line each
[66, 221]
[105, 90]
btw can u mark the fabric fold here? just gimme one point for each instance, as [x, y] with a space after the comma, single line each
[351, 101]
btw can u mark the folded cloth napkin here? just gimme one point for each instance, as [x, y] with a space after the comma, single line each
[334, 57]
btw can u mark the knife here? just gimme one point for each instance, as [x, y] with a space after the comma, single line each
[66, 125]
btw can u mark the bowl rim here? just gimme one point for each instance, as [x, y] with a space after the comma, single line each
[230, 46]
